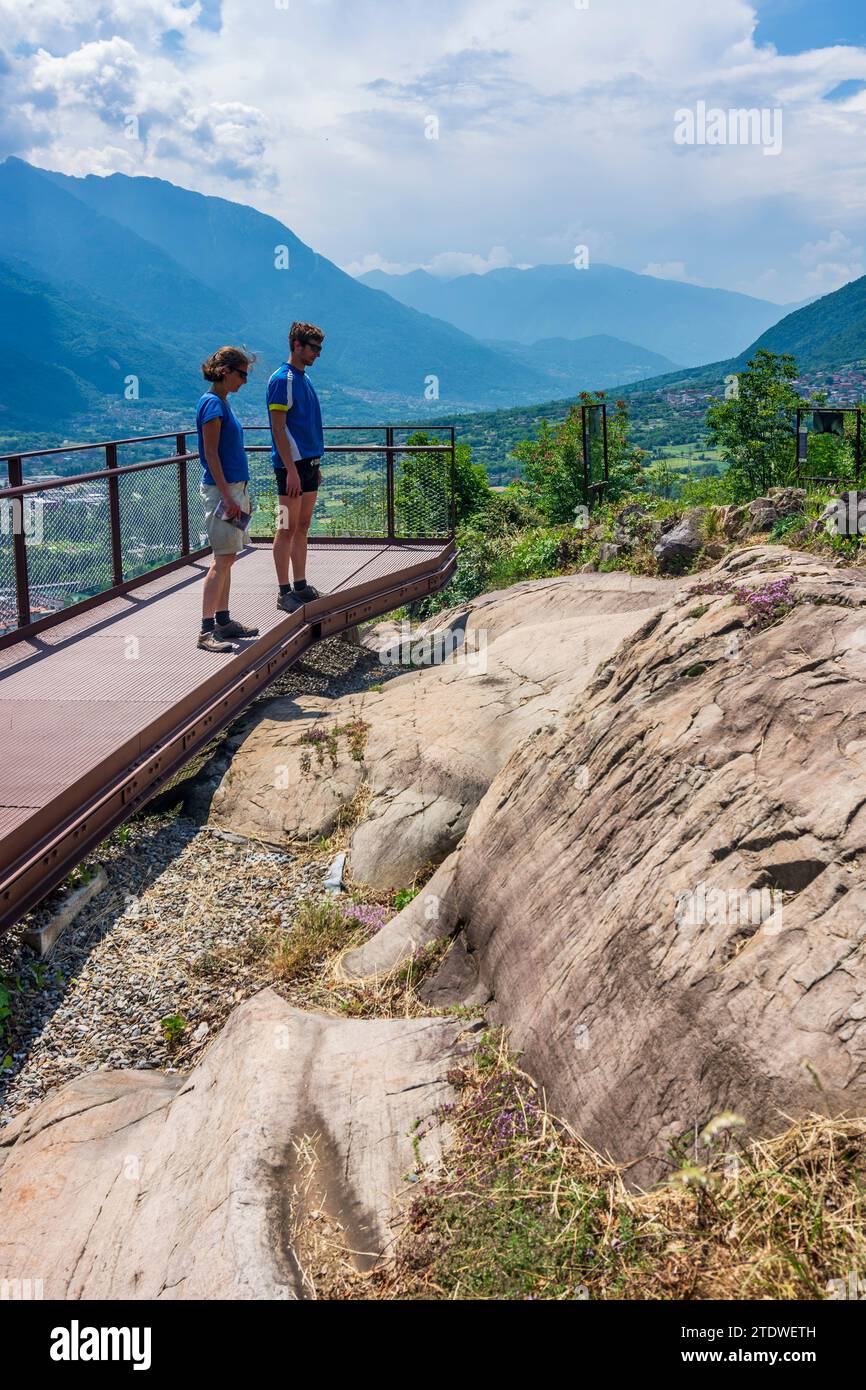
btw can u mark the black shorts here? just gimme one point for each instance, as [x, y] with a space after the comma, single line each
[308, 472]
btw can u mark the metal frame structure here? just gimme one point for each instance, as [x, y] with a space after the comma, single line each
[17, 490]
[593, 491]
[800, 433]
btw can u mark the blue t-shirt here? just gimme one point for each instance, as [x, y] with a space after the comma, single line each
[232, 454]
[290, 390]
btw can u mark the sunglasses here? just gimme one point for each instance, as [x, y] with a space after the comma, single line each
[313, 346]
[243, 375]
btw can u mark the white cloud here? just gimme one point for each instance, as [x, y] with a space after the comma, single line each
[448, 264]
[61, 25]
[550, 118]
[832, 263]
[445, 264]
[101, 76]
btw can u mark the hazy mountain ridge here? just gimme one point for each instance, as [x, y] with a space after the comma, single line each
[680, 321]
[107, 278]
[202, 271]
[605, 361]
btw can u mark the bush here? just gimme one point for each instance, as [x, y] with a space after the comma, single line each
[553, 461]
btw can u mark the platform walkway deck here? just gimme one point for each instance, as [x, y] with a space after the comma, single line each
[99, 711]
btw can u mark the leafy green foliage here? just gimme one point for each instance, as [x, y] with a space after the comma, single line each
[755, 429]
[553, 462]
[173, 1028]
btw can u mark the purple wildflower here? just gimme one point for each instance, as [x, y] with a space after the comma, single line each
[371, 915]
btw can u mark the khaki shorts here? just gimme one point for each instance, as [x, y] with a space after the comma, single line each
[224, 538]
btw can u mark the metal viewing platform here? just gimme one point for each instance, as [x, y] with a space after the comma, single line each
[103, 692]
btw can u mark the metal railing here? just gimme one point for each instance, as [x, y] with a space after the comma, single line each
[848, 451]
[122, 524]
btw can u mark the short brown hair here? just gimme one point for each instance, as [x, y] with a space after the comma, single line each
[226, 359]
[307, 332]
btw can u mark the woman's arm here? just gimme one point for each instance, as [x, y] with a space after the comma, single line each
[211, 436]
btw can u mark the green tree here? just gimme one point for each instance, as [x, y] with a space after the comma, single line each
[553, 469]
[755, 428]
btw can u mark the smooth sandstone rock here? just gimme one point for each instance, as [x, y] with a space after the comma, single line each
[435, 737]
[702, 754]
[149, 1186]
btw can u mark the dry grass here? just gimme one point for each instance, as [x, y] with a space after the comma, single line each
[523, 1209]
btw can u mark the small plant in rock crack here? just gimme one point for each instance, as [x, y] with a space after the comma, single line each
[373, 916]
[403, 897]
[319, 739]
[765, 602]
[356, 731]
[173, 1028]
[769, 601]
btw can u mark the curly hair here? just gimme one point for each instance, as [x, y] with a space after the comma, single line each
[307, 332]
[226, 359]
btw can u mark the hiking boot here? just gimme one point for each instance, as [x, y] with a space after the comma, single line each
[233, 630]
[290, 603]
[306, 593]
[209, 642]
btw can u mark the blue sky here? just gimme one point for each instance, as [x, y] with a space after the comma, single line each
[795, 26]
[468, 134]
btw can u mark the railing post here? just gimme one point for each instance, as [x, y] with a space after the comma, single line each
[585, 438]
[858, 448]
[604, 445]
[183, 498]
[452, 511]
[19, 545]
[114, 517]
[389, 495]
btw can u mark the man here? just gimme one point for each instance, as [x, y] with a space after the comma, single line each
[296, 452]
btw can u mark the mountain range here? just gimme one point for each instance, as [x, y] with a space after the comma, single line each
[683, 322]
[107, 279]
[172, 275]
[103, 279]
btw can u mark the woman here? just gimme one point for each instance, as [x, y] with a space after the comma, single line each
[225, 489]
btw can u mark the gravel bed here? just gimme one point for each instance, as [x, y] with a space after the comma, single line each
[182, 929]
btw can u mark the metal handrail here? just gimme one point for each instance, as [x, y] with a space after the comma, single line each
[17, 489]
[22, 489]
[175, 434]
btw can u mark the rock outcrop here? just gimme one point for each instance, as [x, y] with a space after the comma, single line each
[665, 894]
[153, 1186]
[679, 546]
[762, 513]
[427, 747]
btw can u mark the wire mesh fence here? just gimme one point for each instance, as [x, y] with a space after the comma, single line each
[150, 525]
[68, 543]
[93, 527]
[195, 507]
[8, 596]
[423, 486]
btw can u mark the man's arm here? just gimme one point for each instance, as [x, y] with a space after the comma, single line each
[211, 436]
[286, 448]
